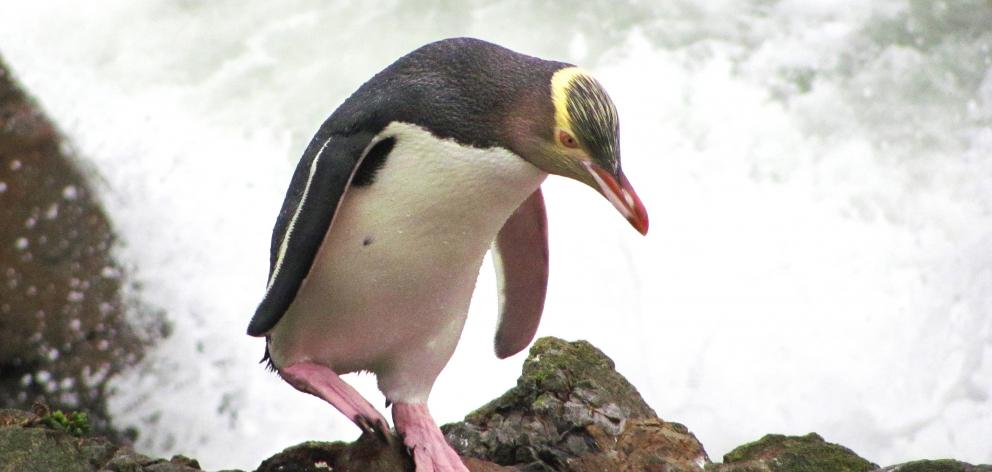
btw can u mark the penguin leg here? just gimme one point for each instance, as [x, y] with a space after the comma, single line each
[324, 383]
[431, 453]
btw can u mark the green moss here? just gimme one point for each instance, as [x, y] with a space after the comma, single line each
[809, 453]
[740, 467]
[564, 390]
[39, 450]
[75, 423]
[942, 465]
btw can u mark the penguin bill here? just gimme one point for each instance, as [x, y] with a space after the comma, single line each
[620, 193]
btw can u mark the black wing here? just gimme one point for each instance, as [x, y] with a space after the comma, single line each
[319, 183]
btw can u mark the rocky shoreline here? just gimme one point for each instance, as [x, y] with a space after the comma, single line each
[570, 411]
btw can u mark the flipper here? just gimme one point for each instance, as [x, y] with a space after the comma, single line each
[318, 186]
[520, 254]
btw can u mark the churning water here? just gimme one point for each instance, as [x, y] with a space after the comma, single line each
[818, 176]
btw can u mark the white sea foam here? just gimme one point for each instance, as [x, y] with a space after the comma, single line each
[817, 175]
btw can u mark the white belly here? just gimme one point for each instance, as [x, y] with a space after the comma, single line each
[392, 282]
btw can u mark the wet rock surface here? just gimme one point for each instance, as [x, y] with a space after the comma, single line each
[62, 327]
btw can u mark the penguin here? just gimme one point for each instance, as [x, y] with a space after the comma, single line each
[396, 200]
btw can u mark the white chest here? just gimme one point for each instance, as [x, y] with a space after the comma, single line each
[397, 269]
[434, 197]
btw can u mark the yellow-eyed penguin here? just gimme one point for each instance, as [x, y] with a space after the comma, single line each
[393, 205]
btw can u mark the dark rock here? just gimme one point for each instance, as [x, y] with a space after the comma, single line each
[182, 460]
[479, 465]
[571, 410]
[28, 445]
[943, 465]
[38, 450]
[368, 453]
[62, 327]
[778, 453]
[12, 417]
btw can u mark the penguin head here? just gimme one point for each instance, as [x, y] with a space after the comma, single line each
[584, 144]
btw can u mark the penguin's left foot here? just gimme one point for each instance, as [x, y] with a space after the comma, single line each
[431, 453]
[323, 382]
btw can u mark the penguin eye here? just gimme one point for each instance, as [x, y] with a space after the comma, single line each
[567, 140]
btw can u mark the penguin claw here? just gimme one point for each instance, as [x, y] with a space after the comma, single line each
[364, 424]
[377, 428]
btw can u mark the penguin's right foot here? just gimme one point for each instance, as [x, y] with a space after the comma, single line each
[430, 451]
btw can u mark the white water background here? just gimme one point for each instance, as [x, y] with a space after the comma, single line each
[817, 173]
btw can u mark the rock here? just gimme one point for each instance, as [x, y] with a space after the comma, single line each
[778, 453]
[62, 328]
[368, 453]
[571, 410]
[12, 417]
[28, 444]
[943, 465]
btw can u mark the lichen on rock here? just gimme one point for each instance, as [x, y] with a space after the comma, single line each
[942, 465]
[30, 443]
[779, 453]
[571, 410]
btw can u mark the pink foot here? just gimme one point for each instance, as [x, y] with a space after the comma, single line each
[431, 453]
[322, 382]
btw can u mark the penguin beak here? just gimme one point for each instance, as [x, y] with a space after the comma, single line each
[621, 194]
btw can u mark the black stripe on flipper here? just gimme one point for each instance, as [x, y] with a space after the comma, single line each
[373, 161]
[328, 174]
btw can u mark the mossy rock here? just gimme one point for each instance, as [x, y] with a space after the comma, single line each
[46, 442]
[571, 410]
[554, 369]
[43, 450]
[942, 465]
[779, 453]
